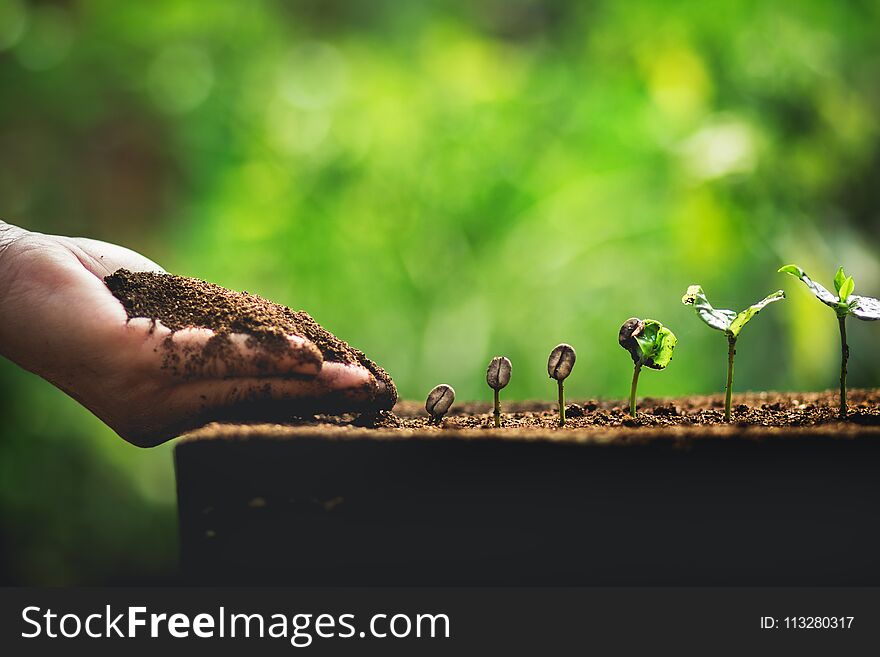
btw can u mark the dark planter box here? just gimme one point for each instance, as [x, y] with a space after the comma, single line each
[341, 507]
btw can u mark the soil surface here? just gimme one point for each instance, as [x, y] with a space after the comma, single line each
[179, 302]
[810, 413]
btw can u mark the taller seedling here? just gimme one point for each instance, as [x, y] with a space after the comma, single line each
[844, 304]
[730, 323]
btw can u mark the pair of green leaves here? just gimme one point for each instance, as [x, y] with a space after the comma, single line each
[844, 285]
[648, 342]
[727, 321]
[845, 303]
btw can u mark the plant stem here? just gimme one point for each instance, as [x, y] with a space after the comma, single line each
[497, 409]
[731, 352]
[561, 404]
[632, 391]
[844, 357]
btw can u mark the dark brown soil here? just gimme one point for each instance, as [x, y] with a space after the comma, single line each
[594, 420]
[179, 302]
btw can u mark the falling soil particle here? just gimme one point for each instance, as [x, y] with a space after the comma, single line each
[179, 302]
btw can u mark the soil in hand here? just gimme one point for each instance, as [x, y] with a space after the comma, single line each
[179, 302]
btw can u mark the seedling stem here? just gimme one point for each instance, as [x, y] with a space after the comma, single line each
[632, 392]
[731, 353]
[561, 402]
[844, 357]
[497, 409]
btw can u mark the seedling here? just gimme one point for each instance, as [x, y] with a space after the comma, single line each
[844, 304]
[650, 344]
[439, 400]
[498, 376]
[728, 322]
[559, 366]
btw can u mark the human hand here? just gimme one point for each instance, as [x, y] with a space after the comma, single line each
[59, 320]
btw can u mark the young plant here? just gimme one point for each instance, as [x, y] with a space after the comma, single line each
[844, 304]
[439, 400]
[728, 322]
[559, 366]
[650, 344]
[498, 376]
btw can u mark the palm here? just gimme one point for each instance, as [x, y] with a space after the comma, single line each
[61, 322]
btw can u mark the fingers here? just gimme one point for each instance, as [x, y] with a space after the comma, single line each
[198, 353]
[337, 389]
[337, 386]
[339, 376]
[201, 354]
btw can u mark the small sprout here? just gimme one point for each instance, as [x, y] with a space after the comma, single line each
[439, 400]
[650, 344]
[728, 322]
[498, 376]
[844, 304]
[559, 366]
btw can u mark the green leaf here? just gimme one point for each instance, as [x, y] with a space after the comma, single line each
[818, 291]
[657, 344]
[846, 289]
[727, 320]
[839, 278]
[794, 270]
[746, 315]
[845, 303]
[715, 318]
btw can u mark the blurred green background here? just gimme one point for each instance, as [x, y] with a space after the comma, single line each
[437, 182]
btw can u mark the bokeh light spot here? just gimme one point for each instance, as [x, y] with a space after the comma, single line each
[297, 131]
[313, 76]
[47, 41]
[13, 21]
[678, 81]
[719, 149]
[180, 78]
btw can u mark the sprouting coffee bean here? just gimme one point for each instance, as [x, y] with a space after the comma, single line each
[439, 400]
[561, 362]
[498, 373]
[631, 328]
